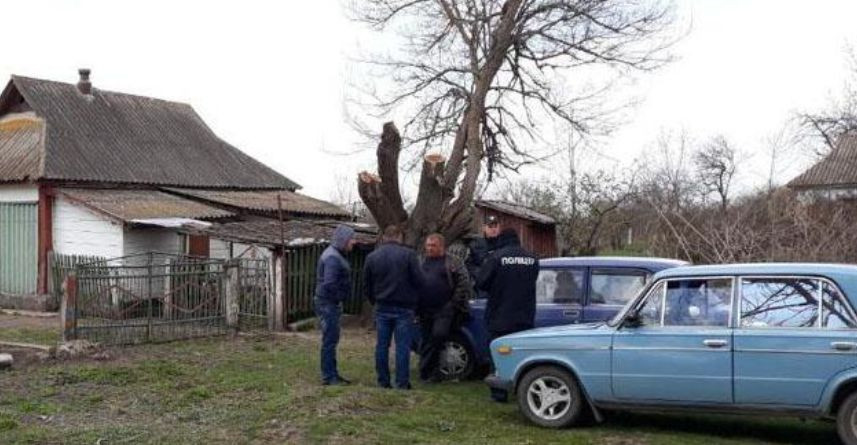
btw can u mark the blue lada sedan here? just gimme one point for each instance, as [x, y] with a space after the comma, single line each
[770, 338]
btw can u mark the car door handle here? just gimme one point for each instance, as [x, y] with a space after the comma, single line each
[843, 345]
[571, 313]
[715, 343]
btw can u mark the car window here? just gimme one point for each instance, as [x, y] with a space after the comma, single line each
[779, 302]
[835, 312]
[698, 302]
[615, 286]
[650, 310]
[561, 286]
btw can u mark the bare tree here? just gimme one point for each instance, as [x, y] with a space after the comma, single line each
[715, 166]
[839, 117]
[479, 77]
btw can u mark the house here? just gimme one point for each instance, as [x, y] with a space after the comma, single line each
[536, 230]
[90, 172]
[833, 177]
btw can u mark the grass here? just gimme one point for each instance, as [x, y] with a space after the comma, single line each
[265, 390]
[39, 336]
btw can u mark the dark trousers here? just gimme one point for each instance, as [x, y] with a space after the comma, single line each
[393, 321]
[430, 348]
[328, 319]
[499, 395]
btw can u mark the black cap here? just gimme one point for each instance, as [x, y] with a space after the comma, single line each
[491, 220]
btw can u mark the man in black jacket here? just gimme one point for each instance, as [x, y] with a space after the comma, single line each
[509, 277]
[392, 280]
[443, 303]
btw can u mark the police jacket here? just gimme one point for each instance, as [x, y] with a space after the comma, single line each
[509, 276]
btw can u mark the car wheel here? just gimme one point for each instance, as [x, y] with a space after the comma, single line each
[846, 420]
[456, 360]
[550, 397]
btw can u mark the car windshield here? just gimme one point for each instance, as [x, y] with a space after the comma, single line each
[621, 314]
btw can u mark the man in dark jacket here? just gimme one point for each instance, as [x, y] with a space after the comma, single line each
[333, 286]
[509, 277]
[443, 303]
[392, 280]
[481, 247]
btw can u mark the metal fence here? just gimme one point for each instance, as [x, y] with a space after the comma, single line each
[254, 297]
[158, 297]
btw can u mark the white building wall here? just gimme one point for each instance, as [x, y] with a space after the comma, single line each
[19, 193]
[140, 240]
[80, 231]
[218, 249]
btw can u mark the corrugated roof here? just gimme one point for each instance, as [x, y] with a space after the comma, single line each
[20, 152]
[122, 138]
[516, 210]
[265, 201]
[837, 169]
[129, 205]
[266, 231]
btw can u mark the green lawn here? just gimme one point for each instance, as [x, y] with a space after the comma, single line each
[265, 390]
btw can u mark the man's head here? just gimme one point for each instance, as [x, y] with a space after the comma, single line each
[435, 246]
[343, 238]
[392, 234]
[491, 227]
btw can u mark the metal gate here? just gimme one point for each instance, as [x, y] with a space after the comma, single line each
[18, 240]
[157, 297]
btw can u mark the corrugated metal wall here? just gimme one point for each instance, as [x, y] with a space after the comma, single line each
[18, 248]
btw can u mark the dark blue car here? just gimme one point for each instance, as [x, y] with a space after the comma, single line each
[569, 290]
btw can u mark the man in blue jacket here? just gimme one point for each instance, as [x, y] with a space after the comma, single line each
[392, 281]
[333, 286]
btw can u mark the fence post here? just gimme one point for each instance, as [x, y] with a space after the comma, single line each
[68, 309]
[168, 294]
[280, 291]
[232, 286]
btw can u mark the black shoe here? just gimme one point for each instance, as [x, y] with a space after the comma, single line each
[406, 387]
[384, 385]
[343, 380]
[335, 382]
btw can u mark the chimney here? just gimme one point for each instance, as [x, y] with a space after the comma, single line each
[84, 85]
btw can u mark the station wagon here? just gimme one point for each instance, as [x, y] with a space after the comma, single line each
[769, 338]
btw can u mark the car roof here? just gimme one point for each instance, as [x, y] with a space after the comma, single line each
[648, 263]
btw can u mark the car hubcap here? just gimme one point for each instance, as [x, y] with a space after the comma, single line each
[854, 422]
[549, 398]
[453, 359]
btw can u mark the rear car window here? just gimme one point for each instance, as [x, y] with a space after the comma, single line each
[560, 286]
[616, 287]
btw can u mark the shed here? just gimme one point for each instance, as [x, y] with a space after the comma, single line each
[536, 230]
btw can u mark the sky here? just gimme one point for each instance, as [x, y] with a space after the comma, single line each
[270, 77]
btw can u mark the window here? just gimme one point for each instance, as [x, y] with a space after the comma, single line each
[701, 302]
[650, 311]
[616, 286]
[779, 302]
[835, 312]
[560, 286]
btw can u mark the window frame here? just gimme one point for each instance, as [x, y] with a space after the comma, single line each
[818, 326]
[584, 284]
[622, 271]
[732, 292]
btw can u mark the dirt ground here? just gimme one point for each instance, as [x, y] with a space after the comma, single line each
[8, 321]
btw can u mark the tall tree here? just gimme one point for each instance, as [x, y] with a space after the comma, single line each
[480, 78]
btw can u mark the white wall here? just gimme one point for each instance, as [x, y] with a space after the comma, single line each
[19, 193]
[80, 231]
[140, 240]
[250, 251]
[218, 249]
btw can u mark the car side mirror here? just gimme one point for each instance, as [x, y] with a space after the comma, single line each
[633, 320]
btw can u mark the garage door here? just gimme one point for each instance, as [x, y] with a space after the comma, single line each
[18, 247]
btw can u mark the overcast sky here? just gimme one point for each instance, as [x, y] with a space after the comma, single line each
[270, 76]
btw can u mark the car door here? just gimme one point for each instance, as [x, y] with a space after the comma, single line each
[793, 335]
[609, 291]
[682, 352]
[559, 296]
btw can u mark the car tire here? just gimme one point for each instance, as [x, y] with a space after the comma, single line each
[550, 397]
[846, 420]
[456, 360]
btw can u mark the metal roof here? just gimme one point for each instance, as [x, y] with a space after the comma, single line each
[20, 152]
[265, 201]
[130, 205]
[120, 138]
[266, 231]
[516, 210]
[837, 169]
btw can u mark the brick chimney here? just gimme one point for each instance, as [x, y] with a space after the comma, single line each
[84, 85]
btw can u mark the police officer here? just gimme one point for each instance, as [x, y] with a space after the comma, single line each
[481, 247]
[508, 276]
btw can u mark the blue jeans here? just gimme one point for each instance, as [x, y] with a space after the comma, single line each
[392, 321]
[328, 319]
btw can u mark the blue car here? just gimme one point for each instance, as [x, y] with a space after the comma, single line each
[770, 338]
[569, 291]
